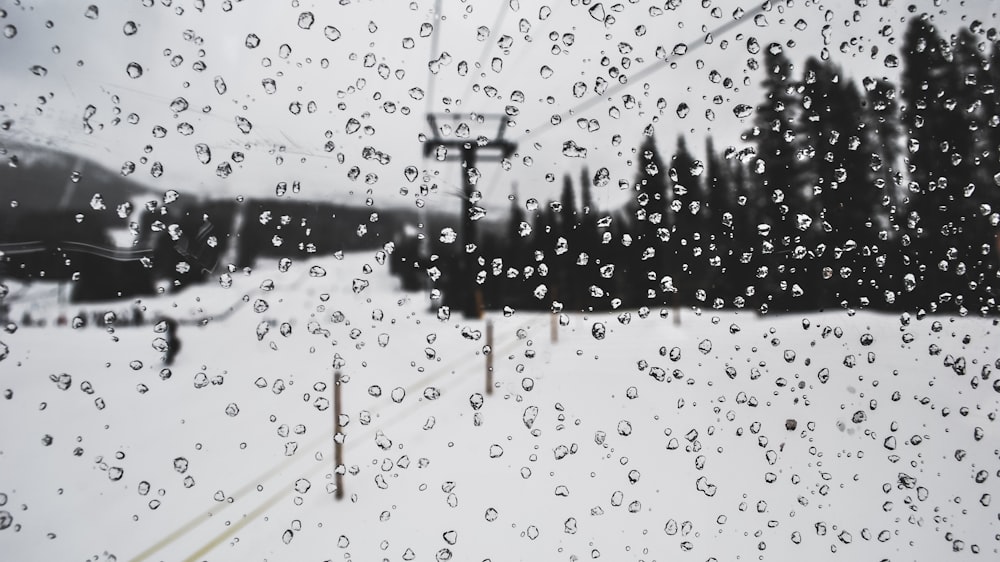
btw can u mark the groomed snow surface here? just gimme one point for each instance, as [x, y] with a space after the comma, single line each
[656, 441]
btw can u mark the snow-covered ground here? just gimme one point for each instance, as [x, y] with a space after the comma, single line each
[654, 442]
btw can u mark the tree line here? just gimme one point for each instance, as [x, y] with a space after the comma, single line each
[844, 194]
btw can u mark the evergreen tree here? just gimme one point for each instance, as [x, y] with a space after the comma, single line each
[590, 250]
[586, 195]
[651, 227]
[779, 190]
[746, 248]
[515, 256]
[990, 188]
[940, 163]
[721, 202]
[568, 201]
[684, 259]
[547, 246]
[886, 130]
[569, 247]
[990, 96]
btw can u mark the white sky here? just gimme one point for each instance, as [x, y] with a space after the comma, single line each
[93, 54]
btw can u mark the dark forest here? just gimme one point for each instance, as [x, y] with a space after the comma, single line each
[848, 195]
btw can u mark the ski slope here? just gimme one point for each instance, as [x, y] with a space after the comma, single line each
[629, 438]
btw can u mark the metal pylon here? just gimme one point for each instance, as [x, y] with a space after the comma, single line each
[469, 151]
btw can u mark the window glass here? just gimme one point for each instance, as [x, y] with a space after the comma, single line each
[505, 280]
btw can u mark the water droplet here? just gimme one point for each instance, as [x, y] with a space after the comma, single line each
[331, 33]
[178, 105]
[598, 330]
[9, 31]
[358, 285]
[39, 70]
[572, 150]
[802, 222]
[220, 85]
[624, 428]
[203, 152]
[306, 20]
[410, 172]
[742, 110]
[397, 394]
[597, 12]
[243, 124]
[703, 486]
[130, 28]
[91, 12]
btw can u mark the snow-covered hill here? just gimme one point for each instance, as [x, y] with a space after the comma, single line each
[727, 437]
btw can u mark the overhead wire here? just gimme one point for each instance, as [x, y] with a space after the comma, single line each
[487, 48]
[38, 246]
[650, 69]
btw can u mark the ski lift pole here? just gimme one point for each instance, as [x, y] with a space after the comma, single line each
[677, 310]
[470, 152]
[338, 441]
[489, 356]
[554, 317]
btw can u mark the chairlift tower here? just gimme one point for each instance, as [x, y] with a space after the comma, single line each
[452, 140]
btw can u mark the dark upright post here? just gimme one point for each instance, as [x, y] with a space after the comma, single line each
[489, 357]
[338, 445]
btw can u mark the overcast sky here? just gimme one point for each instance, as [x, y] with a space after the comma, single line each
[375, 72]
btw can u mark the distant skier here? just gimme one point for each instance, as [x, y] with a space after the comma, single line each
[173, 342]
[138, 318]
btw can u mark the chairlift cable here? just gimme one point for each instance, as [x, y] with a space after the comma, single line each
[37, 246]
[650, 69]
[487, 48]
